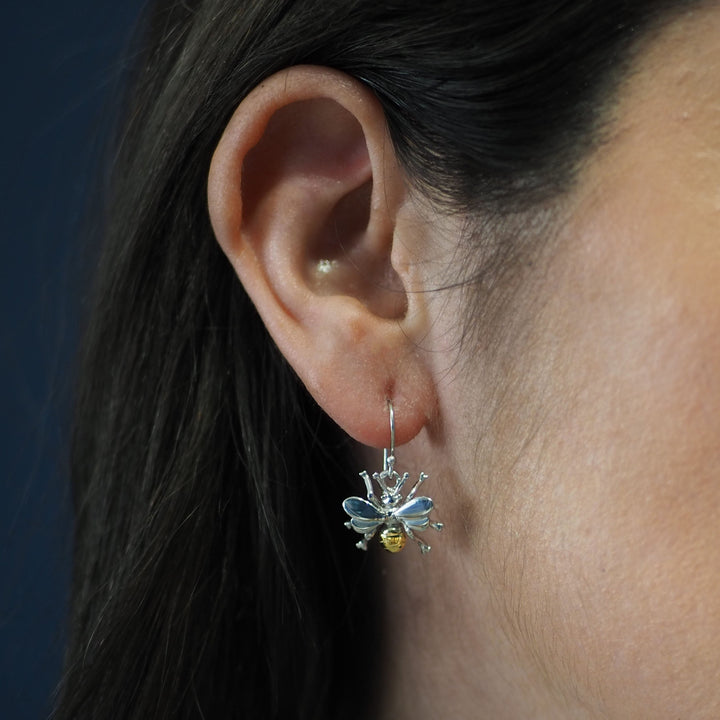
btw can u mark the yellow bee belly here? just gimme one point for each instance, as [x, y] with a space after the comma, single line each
[393, 539]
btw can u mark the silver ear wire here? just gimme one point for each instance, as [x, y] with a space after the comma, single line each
[400, 518]
[386, 456]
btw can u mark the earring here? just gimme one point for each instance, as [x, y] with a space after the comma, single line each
[401, 518]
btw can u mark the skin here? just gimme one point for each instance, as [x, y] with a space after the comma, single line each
[575, 457]
[585, 581]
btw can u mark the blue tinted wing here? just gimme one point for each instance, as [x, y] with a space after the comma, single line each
[365, 526]
[361, 509]
[417, 523]
[415, 513]
[365, 517]
[419, 507]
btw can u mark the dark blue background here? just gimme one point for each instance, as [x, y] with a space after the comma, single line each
[60, 64]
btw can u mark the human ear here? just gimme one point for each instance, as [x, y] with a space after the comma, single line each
[309, 204]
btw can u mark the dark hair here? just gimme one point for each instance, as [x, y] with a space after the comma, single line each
[213, 575]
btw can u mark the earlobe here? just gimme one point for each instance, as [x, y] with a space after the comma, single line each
[304, 195]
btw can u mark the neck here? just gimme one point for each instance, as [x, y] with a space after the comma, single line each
[446, 654]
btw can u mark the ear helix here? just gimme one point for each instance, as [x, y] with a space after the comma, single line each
[400, 518]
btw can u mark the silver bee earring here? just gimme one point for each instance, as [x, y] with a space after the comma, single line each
[401, 518]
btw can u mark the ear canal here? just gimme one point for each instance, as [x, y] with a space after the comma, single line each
[342, 263]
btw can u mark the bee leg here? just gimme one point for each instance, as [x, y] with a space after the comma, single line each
[424, 547]
[437, 526]
[363, 544]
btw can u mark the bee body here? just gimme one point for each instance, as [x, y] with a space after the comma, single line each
[393, 539]
[400, 518]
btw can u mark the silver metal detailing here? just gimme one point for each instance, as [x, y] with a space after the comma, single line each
[401, 517]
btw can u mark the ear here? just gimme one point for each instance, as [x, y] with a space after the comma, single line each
[308, 202]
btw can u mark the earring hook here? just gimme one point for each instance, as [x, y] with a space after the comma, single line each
[391, 454]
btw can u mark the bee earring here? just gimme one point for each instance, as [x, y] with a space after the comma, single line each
[400, 518]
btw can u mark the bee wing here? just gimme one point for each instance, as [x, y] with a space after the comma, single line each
[417, 507]
[415, 513]
[365, 526]
[365, 517]
[362, 509]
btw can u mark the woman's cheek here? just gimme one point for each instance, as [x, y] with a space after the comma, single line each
[619, 565]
